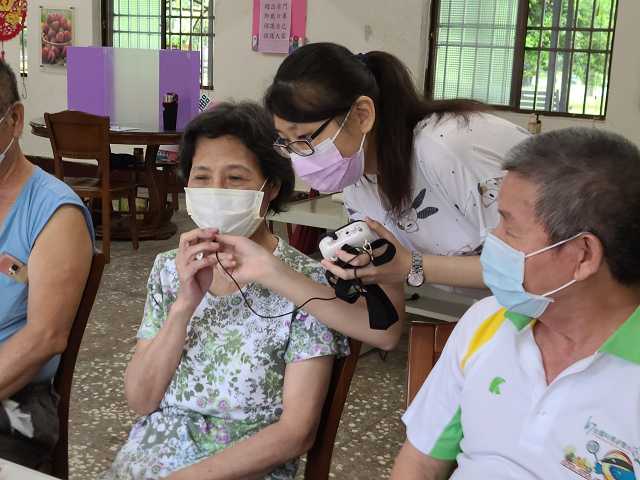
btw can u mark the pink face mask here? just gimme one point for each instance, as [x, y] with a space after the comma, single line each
[326, 170]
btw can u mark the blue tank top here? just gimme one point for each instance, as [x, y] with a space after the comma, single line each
[39, 199]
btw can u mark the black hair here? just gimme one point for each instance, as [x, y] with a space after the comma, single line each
[587, 180]
[322, 80]
[251, 125]
[8, 87]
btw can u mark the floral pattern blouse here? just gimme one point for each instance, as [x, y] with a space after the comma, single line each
[229, 382]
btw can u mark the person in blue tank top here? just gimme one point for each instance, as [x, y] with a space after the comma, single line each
[46, 246]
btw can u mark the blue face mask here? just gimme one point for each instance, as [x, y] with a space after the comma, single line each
[503, 273]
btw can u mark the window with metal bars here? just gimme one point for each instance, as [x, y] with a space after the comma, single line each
[551, 56]
[162, 24]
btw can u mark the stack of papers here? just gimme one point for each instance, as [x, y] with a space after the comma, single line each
[121, 128]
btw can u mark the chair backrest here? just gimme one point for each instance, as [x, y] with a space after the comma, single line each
[64, 375]
[319, 456]
[79, 135]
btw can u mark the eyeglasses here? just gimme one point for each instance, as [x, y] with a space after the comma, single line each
[302, 146]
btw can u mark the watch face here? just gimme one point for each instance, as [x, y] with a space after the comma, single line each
[415, 279]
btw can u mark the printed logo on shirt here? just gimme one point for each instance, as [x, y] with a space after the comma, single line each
[408, 221]
[494, 386]
[604, 457]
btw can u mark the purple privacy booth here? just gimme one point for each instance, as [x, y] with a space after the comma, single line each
[129, 85]
[180, 73]
[90, 80]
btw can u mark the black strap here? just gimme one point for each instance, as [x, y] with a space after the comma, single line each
[382, 312]
[387, 255]
[381, 259]
[347, 290]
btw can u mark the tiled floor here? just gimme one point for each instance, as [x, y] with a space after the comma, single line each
[370, 433]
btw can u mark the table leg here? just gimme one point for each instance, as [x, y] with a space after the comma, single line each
[156, 224]
[160, 213]
[155, 202]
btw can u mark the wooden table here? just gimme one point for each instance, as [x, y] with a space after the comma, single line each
[157, 221]
[12, 471]
[321, 212]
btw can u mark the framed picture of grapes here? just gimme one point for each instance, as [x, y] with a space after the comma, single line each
[57, 29]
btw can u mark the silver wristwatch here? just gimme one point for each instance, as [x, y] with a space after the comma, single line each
[416, 274]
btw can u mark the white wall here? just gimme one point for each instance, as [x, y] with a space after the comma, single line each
[46, 89]
[361, 25]
[398, 26]
[401, 27]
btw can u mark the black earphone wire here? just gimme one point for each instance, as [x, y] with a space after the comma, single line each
[297, 308]
[251, 308]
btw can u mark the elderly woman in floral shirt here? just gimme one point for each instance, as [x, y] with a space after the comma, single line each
[224, 393]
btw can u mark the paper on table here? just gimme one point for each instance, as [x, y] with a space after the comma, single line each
[18, 420]
[120, 128]
[13, 471]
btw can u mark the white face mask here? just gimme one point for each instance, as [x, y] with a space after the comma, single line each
[3, 155]
[232, 212]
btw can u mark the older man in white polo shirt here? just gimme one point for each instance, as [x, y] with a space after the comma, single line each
[542, 381]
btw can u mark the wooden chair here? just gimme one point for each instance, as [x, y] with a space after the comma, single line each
[64, 375]
[303, 237]
[426, 342]
[319, 456]
[174, 182]
[79, 135]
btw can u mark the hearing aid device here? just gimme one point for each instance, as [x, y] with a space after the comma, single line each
[355, 234]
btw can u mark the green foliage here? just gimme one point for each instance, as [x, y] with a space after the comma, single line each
[189, 25]
[573, 14]
[476, 46]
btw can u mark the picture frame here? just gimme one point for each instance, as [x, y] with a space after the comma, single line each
[57, 29]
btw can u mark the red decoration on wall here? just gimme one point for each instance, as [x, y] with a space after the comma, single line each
[13, 14]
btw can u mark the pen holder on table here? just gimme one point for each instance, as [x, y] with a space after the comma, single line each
[169, 115]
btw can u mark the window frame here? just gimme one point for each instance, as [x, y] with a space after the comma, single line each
[518, 64]
[107, 34]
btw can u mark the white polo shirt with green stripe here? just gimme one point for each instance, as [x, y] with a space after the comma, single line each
[487, 405]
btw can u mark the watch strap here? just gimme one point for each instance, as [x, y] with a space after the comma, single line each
[415, 278]
[416, 262]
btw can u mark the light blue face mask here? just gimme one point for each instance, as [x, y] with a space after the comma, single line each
[503, 273]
